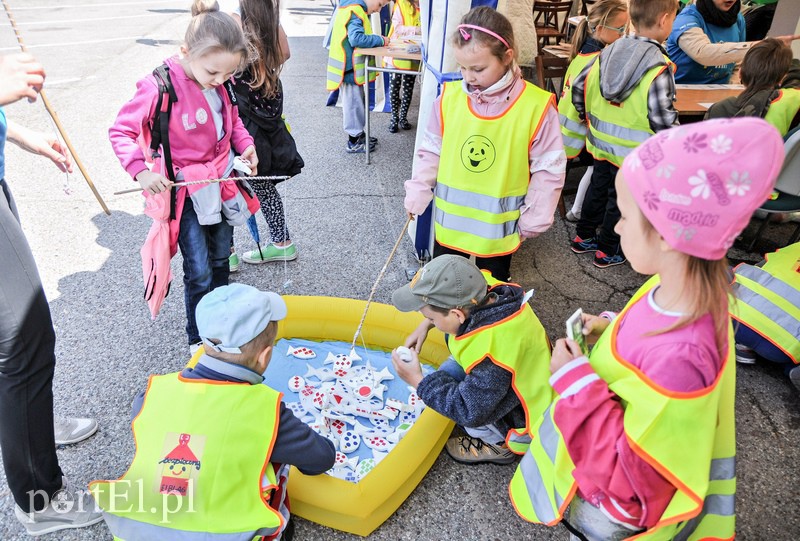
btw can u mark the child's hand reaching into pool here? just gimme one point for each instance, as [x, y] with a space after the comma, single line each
[409, 371]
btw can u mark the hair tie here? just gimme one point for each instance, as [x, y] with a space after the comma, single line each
[467, 36]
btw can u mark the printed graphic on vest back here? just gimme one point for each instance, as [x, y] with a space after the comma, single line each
[477, 154]
[180, 467]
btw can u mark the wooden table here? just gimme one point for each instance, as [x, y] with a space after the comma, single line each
[694, 100]
[394, 51]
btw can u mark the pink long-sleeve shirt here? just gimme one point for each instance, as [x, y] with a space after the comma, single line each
[610, 475]
[546, 156]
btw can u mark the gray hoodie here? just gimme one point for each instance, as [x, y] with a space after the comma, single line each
[624, 63]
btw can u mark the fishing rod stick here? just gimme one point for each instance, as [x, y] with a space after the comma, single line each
[377, 281]
[54, 116]
[207, 181]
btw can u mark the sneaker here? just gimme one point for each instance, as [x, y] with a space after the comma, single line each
[233, 262]
[794, 377]
[358, 147]
[572, 217]
[469, 450]
[745, 355]
[70, 507]
[580, 246]
[603, 260]
[73, 430]
[269, 253]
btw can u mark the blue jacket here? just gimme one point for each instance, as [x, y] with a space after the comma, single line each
[356, 39]
[296, 443]
[690, 72]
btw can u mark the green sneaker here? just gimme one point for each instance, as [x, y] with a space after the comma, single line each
[271, 253]
[233, 262]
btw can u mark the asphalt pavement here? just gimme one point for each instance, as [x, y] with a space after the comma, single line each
[343, 215]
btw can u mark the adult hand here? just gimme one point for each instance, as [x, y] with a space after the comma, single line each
[153, 183]
[40, 144]
[418, 336]
[566, 350]
[21, 76]
[409, 371]
[249, 154]
[787, 40]
[593, 327]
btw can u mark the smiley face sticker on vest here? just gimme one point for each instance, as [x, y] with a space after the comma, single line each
[477, 154]
[178, 470]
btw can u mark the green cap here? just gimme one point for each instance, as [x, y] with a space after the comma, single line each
[448, 281]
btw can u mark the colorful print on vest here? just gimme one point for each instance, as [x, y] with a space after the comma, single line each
[179, 467]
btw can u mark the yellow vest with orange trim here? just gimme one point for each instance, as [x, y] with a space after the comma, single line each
[699, 462]
[573, 129]
[202, 450]
[336, 56]
[783, 109]
[410, 16]
[484, 171]
[768, 299]
[519, 344]
[615, 129]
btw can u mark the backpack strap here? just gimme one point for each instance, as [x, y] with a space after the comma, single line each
[159, 130]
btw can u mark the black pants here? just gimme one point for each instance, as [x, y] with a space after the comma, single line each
[599, 213]
[499, 266]
[27, 363]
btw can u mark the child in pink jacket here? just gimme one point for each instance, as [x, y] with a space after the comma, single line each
[204, 132]
[492, 157]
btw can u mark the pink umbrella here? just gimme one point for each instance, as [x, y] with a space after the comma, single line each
[157, 252]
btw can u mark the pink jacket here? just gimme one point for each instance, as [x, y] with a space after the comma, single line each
[547, 159]
[589, 415]
[196, 152]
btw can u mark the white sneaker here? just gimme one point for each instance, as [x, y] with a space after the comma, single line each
[194, 347]
[745, 355]
[70, 507]
[73, 430]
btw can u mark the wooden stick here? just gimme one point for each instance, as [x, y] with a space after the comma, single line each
[377, 281]
[206, 181]
[54, 116]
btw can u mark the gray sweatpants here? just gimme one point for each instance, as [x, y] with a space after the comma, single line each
[353, 111]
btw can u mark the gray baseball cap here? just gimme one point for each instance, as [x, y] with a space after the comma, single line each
[448, 281]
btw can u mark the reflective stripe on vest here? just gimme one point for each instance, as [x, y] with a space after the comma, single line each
[783, 109]
[573, 131]
[485, 167]
[769, 299]
[711, 434]
[336, 56]
[615, 129]
[200, 466]
[526, 357]
[410, 17]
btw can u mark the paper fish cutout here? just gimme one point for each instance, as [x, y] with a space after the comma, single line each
[322, 374]
[364, 467]
[296, 408]
[296, 383]
[345, 474]
[378, 443]
[349, 441]
[408, 417]
[383, 375]
[377, 456]
[301, 353]
[399, 432]
[343, 462]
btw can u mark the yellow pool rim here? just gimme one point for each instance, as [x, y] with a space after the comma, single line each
[359, 508]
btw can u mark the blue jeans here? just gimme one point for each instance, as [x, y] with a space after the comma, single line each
[205, 250]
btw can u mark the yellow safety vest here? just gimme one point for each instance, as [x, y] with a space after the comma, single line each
[783, 109]
[336, 57]
[202, 449]
[615, 129]
[573, 129]
[768, 299]
[484, 171]
[701, 464]
[519, 344]
[410, 16]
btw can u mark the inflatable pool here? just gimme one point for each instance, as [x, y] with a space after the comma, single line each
[361, 507]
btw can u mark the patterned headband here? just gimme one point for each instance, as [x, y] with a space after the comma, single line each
[467, 36]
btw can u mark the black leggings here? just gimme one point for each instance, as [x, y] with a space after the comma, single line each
[272, 208]
[400, 106]
[499, 266]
